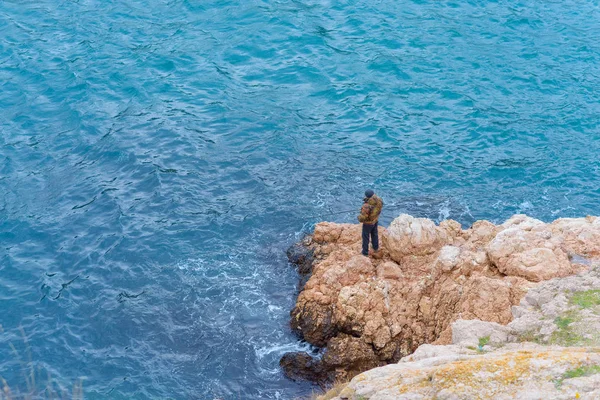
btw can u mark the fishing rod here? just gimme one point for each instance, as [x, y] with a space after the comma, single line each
[386, 207]
[405, 201]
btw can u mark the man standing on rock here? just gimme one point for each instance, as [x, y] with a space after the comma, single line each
[369, 215]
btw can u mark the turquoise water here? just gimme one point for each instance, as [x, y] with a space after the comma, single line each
[157, 158]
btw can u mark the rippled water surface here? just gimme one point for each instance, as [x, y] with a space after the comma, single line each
[157, 158]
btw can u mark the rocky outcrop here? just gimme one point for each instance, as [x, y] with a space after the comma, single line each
[492, 361]
[526, 371]
[366, 311]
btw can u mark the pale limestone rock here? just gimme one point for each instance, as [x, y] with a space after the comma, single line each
[522, 222]
[525, 371]
[448, 258]
[535, 255]
[535, 318]
[407, 235]
[470, 332]
[435, 355]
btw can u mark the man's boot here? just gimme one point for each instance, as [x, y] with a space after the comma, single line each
[376, 254]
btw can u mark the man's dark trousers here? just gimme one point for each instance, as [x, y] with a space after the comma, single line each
[369, 230]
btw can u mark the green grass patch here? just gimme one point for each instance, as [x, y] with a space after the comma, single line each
[484, 340]
[585, 370]
[564, 322]
[529, 336]
[582, 371]
[586, 299]
[564, 335]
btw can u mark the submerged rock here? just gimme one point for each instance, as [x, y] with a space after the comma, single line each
[301, 366]
[344, 357]
[370, 311]
[301, 255]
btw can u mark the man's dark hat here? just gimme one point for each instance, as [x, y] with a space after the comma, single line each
[369, 193]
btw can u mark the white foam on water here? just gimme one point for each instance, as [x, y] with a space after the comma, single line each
[561, 211]
[281, 349]
[526, 205]
[444, 211]
[273, 308]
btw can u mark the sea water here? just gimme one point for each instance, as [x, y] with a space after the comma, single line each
[158, 156]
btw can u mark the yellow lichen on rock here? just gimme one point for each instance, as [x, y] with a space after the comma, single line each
[511, 373]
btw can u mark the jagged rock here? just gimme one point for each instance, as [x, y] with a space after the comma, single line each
[301, 366]
[313, 322]
[581, 236]
[347, 356]
[534, 254]
[426, 278]
[480, 234]
[301, 256]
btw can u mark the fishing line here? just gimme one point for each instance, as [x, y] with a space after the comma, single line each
[405, 201]
[385, 208]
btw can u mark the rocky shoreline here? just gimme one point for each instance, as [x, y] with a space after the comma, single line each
[551, 350]
[366, 312]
